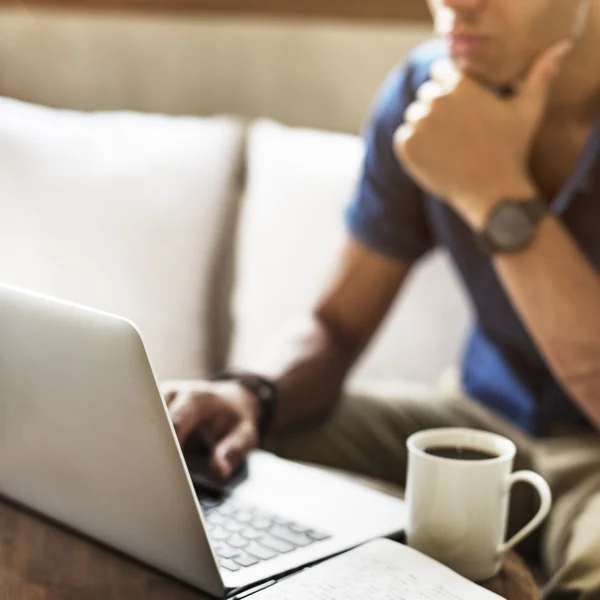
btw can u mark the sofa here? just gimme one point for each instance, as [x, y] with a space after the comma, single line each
[191, 174]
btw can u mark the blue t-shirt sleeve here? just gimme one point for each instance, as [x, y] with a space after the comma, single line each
[387, 213]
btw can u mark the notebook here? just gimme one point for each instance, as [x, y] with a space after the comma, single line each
[379, 570]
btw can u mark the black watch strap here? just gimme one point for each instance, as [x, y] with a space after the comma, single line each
[260, 387]
[536, 209]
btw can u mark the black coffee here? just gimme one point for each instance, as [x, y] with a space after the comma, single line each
[460, 453]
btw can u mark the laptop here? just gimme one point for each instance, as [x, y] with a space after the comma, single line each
[86, 440]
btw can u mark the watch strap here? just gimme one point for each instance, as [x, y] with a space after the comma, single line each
[485, 243]
[262, 388]
[536, 209]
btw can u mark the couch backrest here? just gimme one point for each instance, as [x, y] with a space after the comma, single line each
[320, 74]
[303, 73]
[128, 213]
[298, 183]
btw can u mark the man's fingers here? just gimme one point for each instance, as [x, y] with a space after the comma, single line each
[415, 112]
[403, 133]
[429, 91]
[186, 415]
[169, 389]
[538, 80]
[445, 73]
[231, 450]
[169, 396]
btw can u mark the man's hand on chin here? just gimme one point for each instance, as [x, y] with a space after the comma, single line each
[467, 145]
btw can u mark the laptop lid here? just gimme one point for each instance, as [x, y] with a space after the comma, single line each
[85, 437]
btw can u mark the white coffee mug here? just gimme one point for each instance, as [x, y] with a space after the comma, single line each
[458, 509]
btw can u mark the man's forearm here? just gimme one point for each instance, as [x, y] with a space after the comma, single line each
[556, 291]
[308, 365]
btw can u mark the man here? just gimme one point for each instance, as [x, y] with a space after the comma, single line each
[489, 144]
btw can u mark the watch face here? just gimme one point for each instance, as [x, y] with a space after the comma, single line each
[509, 226]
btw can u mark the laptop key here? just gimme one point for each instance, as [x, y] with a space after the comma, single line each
[219, 534]
[227, 509]
[242, 536]
[244, 516]
[251, 534]
[237, 541]
[298, 539]
[246, 560]
[225, 551]
[296, 528]
[215, 518]
[318, 536]
[259, 551]
[276, 544]
[261, 523]
[233, 526]
[229, 564]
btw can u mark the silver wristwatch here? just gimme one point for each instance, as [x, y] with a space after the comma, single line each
[511, 225]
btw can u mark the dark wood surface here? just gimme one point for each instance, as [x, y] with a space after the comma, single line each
[515, 581]
[380, 10]
[41, 561]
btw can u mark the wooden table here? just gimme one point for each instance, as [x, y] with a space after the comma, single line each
[40, 561]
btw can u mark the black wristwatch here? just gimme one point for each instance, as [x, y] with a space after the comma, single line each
[260, 387]
[511, 225]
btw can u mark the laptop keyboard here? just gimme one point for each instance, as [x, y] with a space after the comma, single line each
[242, 536]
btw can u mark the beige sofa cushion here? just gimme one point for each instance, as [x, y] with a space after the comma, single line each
[125, 212]
[291, 226]
[320, 73]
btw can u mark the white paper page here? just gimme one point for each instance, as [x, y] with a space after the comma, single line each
[379, 570]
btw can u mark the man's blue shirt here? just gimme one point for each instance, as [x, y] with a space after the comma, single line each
[502, 368]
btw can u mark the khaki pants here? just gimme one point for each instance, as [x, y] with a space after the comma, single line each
[367, 433]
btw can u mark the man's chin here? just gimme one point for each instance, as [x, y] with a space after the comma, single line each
[493, 79]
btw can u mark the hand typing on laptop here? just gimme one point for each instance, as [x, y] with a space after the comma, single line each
[222, 413]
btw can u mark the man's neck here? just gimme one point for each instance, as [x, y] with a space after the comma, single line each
[576, 93]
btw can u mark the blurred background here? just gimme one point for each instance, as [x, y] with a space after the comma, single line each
[304, 62]
[186, 164]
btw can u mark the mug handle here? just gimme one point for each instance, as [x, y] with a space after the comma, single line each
[543, 489]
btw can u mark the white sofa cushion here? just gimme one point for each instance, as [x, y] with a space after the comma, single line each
[291, 226]
[124, 212]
